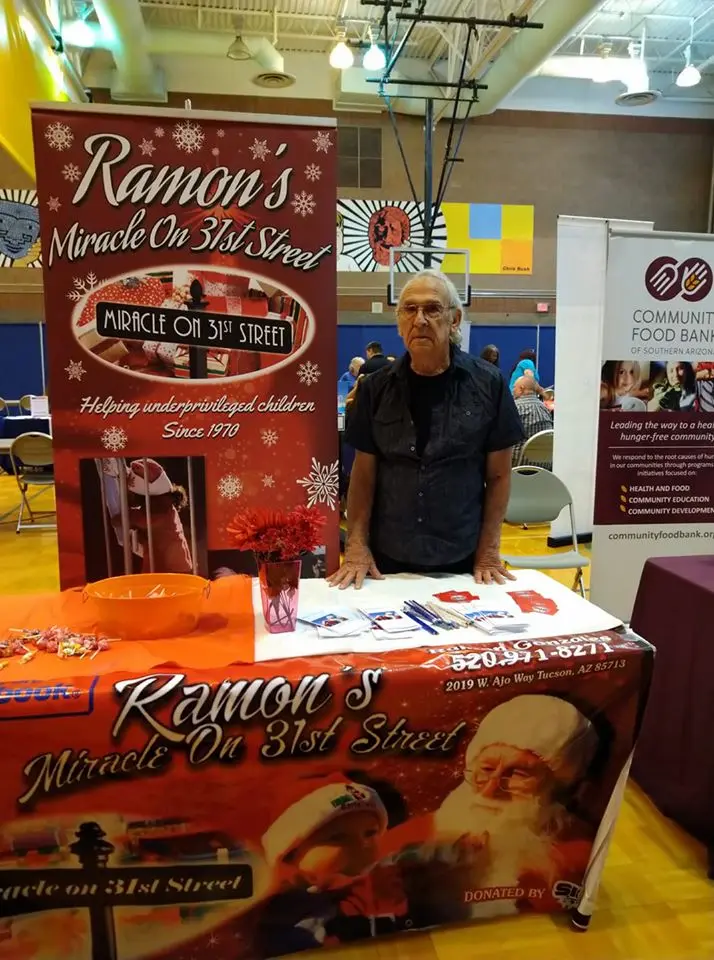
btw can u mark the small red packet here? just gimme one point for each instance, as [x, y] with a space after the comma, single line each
[456, 596]
[531, 602]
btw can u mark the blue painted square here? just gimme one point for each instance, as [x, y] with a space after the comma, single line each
[485, 221]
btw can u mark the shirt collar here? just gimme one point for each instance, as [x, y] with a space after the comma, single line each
[400, 367]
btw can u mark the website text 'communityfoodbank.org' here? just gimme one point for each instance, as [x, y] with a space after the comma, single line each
[663, 535]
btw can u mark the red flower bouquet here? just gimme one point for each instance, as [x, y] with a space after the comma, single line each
[278, 539]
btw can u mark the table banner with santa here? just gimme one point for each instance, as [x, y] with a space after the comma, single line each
[247, 812]
[190, 299]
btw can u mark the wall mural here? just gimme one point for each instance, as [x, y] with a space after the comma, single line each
[499, 237]
[19, 229]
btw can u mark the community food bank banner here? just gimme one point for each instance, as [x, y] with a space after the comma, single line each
[654, 490]
[189, 271]
[176, 813]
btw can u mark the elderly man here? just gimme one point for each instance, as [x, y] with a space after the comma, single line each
[433, 434]
[534, 414]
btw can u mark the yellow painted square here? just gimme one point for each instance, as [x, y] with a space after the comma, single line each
[456, 216]
[517, 221]
[485, 256]
[516, 256]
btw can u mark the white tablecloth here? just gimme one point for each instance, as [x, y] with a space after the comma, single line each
[574, 615]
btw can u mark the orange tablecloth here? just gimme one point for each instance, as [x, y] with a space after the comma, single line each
[225, 635]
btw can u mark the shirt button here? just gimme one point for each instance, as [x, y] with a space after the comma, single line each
[468, 413]
[421, 494]
[412, 449]
[419, 520]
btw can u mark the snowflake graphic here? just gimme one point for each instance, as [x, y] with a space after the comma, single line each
[114, 439]
[313, 172]
[215, 152]
[71, 172]
[230, 486]
[75, 370]
[220, 132]
[321, 484]
[269, 437]
[54, 204]
[159, 132]
[268, 480]
[59, 136]
[322, 141]
[303, 204]
[308, 373]
[147, 147]
[260, 149]
[83, 286]
[188, 136]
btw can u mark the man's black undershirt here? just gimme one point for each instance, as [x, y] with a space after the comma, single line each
[425, 393]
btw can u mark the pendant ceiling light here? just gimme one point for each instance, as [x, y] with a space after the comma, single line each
[374, 59]
[341, 57]
[689, 75]
[238, 50]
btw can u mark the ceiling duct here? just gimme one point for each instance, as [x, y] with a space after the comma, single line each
[136, 77]
[135, 49]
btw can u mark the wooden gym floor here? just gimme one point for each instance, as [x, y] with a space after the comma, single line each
[655, 900]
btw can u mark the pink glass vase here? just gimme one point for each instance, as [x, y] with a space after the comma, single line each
[279, 586]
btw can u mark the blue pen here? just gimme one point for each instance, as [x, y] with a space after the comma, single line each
[424, 626]
[421, 611]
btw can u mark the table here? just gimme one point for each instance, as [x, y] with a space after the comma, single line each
[12, 427]
[169, 799]
[674, 763]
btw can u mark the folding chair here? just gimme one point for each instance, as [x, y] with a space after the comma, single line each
[31, 458]
[538, 496]
[26, 403]
[538, 450]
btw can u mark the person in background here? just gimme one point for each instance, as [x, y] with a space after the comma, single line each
[534, 414]
[491, 354]
[352, 372]
[525, 366]
[375, 358]
[433, 434]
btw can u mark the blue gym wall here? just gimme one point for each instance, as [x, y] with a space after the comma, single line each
[20, 359]
[511, 340]
[21, 367]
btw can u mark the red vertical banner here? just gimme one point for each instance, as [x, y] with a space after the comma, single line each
[190, 298]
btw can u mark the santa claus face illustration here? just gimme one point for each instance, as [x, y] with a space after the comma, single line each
[339, 851]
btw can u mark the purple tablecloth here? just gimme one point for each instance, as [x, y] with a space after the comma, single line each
[674, 760]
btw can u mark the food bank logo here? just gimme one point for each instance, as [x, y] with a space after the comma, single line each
[692, 279]
[32, 699]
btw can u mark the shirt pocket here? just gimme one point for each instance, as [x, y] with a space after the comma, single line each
[390, 433]
[471, 427]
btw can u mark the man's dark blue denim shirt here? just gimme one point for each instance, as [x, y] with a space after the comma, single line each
[428, 510]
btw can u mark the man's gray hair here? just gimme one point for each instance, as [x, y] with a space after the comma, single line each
[452, 295]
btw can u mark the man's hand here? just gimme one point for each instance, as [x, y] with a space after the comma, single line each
[489, 567]
[358, 564]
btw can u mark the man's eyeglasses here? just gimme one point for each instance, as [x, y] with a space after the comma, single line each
[432, 310]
